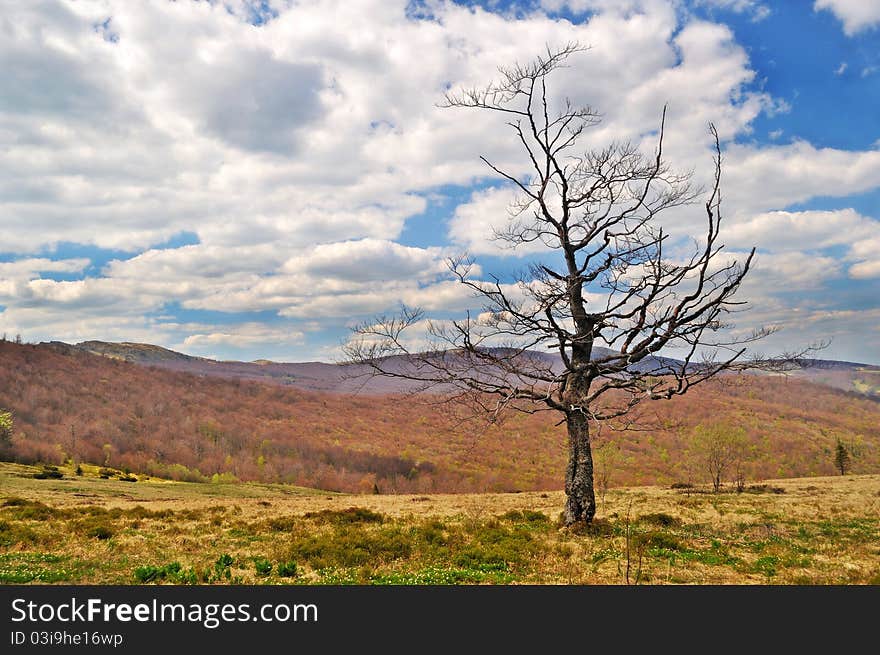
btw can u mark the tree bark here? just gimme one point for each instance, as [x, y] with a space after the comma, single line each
[580, 505]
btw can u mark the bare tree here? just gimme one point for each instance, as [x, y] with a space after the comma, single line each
[720, 448]
[606, 301]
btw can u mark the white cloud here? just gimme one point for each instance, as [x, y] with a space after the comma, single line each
[369, 260]
[806, 230]
[866, 254]
[792, 271]
[297, 150]
[866, 269]
[243, 335]
[757, 179]
[758, 10]
[856, 15]
[476, 222]
[32, 267]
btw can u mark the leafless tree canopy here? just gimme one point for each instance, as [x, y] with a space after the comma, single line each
[611, 294]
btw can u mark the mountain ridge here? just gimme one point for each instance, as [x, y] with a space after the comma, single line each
[863, 379]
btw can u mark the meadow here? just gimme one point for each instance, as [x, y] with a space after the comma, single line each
[84, 407]
[106, 526]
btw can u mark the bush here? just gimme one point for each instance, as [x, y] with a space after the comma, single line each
[48, 473]
[352, 515]
[660, 518]
[100, 532]
[764, 489]
[11, 534]
[30, 510]
[281, 523]
[525, 516]
[350, 546]
[681, 485]
[658, 540]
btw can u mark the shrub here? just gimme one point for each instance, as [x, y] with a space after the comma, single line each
[100, 532]
[351, 515]
[526, 515]
[350, 546]
[48, 473]
[281, 523]
[658, 540]
[11, 534]
[30, 510]
[764, 489]
[660, 518]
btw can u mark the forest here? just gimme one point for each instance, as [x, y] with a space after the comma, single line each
[79, 407]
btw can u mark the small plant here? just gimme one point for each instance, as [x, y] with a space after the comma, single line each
[263, 566]
[221, 569]
[150, 573]
[286, 569]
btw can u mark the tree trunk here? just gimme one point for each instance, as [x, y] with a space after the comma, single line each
[580, 505]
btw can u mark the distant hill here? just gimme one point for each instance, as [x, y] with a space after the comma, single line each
[139, 353]
[862, 379]
[68, 402]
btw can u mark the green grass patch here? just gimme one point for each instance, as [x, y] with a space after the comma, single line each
[20, 568]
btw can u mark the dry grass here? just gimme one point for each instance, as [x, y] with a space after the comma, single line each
[89, 530]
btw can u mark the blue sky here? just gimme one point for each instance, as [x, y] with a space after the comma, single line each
[248, 180]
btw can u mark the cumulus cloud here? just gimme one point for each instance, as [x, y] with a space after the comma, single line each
[757, 179]
[297, 149]
[757, 10]
[856, 15]
[369, 260]
[244, 335]
[805, 230]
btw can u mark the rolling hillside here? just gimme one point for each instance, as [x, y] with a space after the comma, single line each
[70, 403]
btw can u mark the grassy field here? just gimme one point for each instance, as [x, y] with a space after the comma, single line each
[89, 530]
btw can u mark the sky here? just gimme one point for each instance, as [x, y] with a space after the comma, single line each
[249, 179]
